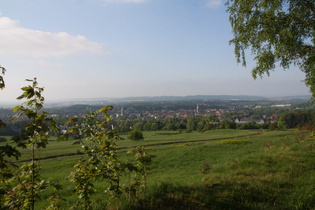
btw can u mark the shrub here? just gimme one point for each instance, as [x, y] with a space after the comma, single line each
[135, 135]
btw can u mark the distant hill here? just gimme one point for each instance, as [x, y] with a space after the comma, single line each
[306, 97]
[106, 100]
[192, 97]
[101, 101]
[196, 97]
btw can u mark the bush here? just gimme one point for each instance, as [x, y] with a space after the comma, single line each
[135, 135]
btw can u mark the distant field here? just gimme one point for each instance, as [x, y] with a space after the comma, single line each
[56, 148]
[249, 169]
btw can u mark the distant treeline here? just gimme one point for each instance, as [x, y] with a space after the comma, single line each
[297, 119]
[177, 124]
[195, 123]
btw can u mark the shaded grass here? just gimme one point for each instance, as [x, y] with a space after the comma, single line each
[278, 178]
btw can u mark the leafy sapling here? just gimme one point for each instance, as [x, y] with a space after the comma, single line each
[27, 180]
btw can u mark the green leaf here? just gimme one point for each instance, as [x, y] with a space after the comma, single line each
[71, 120]
[105, 109]
[16, 116]
[276, 33]
[27, 89]
[17, 108]
[76, 142]
[63, 137]
[2, 124]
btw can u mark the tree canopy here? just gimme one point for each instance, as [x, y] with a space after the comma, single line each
[135, 135]
[278, 32]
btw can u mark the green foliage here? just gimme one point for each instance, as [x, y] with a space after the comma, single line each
[250, 125]
[83, 178]
[2, 124]
[5, 151]
[135, 135]
[100, 161]
[277, 32]
[191, 124]
[2, 72]
[227, 124]
[143, 161]
[26, 179]
[28, 187]
[296, 119]
[139, 169]
[205, 167]
[55, 203]
[36, 133]
[21, 187]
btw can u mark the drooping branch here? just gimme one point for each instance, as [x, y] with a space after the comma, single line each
[310, 6]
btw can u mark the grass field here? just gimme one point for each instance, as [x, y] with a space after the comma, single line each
[219, 169]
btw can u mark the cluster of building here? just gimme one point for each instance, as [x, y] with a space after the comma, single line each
[201, 110]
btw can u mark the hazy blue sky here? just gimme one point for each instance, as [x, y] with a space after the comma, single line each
[118, 48]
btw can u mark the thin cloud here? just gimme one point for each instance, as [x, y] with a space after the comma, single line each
[19, 41]
[213, 3]
[127, 1]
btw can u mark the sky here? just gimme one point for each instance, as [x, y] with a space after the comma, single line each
[120, 48]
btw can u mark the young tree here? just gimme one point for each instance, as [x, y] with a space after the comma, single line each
[277, 32]
[140, 171]
[27, 180]
[100, 160]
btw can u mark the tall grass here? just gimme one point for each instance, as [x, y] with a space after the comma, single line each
[244, 175]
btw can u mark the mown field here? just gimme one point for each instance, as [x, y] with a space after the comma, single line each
[219, 169]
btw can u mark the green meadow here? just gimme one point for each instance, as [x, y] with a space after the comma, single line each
[218, 169]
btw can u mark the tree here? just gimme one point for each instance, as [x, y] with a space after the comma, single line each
[200, 125]
[35, 135]
[138, 125]
[278, 32]
[154, 126]
[2, 86]
[6, 151]
[21, 185]
[191, 124]
[135, 135]
[100, 161]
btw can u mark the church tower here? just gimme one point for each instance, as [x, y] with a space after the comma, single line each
[122, 111]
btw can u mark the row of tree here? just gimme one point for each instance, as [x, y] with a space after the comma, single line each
[292, 119]
[190, 124]
[196, 123]
[297, 119]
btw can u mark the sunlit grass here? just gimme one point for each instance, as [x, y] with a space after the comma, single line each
[272, 170]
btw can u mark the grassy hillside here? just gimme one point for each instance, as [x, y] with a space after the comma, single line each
[220, 169]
